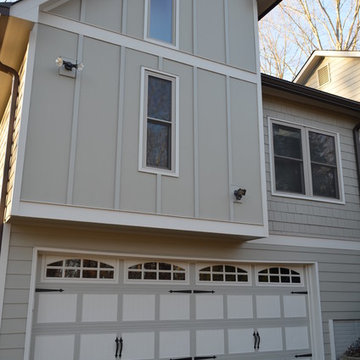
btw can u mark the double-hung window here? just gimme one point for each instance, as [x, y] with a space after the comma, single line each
[305, 162]
[161, 21]
[159, 123]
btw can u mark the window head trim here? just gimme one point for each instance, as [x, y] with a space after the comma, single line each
[174, 135]
[175, 25]
[305, 129]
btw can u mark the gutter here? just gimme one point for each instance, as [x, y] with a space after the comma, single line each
[356, 132]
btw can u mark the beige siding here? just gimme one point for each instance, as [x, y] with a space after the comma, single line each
[222, 31]
[289, 216]
[344, 77]
[339, 270]
[82, 144]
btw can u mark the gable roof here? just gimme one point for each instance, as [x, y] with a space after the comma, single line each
[315, 59]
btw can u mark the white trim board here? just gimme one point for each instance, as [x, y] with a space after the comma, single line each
[115, 217]
[145, 46]
[4, 255]
[308, 242]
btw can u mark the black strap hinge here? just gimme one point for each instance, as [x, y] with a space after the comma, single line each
[303, 355]
[48, 290]
[300, 292]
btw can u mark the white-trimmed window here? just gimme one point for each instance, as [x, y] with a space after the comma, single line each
[223, 274]
[158, 151]
[161, 21]
[305, 162]
[279, 276]
[156, 271]
[79, 268]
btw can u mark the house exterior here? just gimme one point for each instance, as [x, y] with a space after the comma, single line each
[164, 202]
[336, 72]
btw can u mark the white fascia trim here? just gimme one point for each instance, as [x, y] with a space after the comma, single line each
[114, 217]
[308, 242]
[145, 47]
[27, 10]
[4, 254]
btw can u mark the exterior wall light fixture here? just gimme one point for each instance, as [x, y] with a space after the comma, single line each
[239, 193]
[68, 67]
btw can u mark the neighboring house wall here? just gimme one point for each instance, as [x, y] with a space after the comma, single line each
[305, 217]
[344, 77]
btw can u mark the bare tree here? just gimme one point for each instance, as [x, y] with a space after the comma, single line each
[290, 33]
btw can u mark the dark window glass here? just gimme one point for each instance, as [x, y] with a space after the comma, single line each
[285, 279]
[73, 262]
[158, 145]
[284, 271]
[106, 274]
[164, 276]
[263, 278]
[287, 141]
[206, 269]
[105, 266]
[57, 263]
[218, 277]
[229, 268]
[164, 266]
[159, 99]
[289, 176]
[179, 276]
[243, 278]
[137, 266]
[90, 274]
[218, 268]
[72, 273]
[295, 280]
[324, 179]
[204, 277]
[274, 279]
[229, 277]
[322, 148]
[150, 266]
[150, 275]
[274, 270]
[178, 268]
[161, 20]
[134, 275]
[90, 263]
[54, 273]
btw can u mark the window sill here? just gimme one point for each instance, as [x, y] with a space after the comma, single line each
[309, 198]
[156, 171]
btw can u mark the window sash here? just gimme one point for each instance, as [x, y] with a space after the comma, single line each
[311, 189]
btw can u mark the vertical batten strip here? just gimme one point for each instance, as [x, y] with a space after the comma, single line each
[226, 22]
[75, 121]
[194, 28]
[196, 144]
[158, 194]
[75, 118]
[160, 63]
[124, 17]
[229, 146]
[120, 122]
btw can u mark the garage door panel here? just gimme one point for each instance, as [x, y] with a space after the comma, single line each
[174, 344]
[138, 307]
[56, 308]
[99, 307]
[270, 339]
[174, 307]
[240, 307]
[297, 338]
[209, 342]
[138, 346]
[97, 346]
[268, 306]
[295, 306]
[54, 347]
[209, 307]
[241, 341]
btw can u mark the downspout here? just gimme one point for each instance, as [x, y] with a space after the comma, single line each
[14, 93]
[356, 132]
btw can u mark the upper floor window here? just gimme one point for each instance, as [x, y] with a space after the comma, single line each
[305, 162]
[158, 124]
[160, 21]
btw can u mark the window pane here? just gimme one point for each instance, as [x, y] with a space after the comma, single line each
[322, 148]
[159, 98]
[161, 20]
[289, 176]
[287, 141]
[158, 145]
[325, 181]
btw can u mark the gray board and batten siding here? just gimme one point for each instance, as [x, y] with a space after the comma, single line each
[76, 155]
[339, 271]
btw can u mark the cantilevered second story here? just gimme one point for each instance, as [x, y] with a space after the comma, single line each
[162, 128]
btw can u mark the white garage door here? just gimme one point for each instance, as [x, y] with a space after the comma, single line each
[88, 308]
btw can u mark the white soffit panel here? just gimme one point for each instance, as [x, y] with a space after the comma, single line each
[240, 307]
[174, 307]
[174, 344]
[53, 308]
[97, 346]
[297, 338]
[209, 307]
[295, 306]
[209, 342]
[241, 341]
[268, 306]
[138, 346]
[138, 307]
[54, 347]
[97, 307]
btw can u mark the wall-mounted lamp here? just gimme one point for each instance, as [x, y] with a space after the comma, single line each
[239, 193]
[68, 67]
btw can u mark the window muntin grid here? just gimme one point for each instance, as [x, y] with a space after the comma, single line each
[156, 271]
[279, 275]
[79, 269]
[223, 273]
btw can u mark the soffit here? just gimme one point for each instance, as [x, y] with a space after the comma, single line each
[265, 6]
